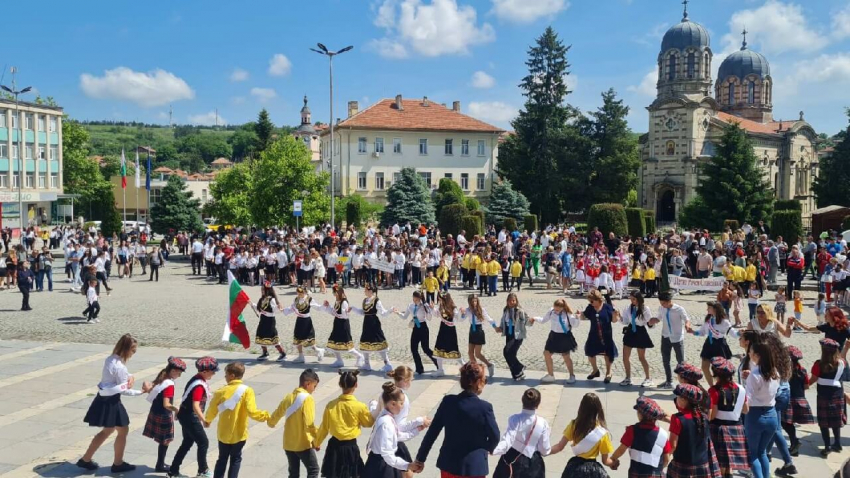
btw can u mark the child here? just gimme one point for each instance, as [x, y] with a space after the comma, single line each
[383, 444]
[93, 310]
[477, 315]
[304, 334]
[649, 278]
[191, 417]
[372, 337]
[160, 424]
[516, 275]
[298, 411]
[443, 276]
[342, 419]
[714, 329]
[512, 327]
[829, 372]
[674, 322]
[505, 265]
[446, 347]
[580, 273]
[798, 411]
[589, 438]
[728, 403]
[690, 436]
[402, 377]
[779, 308]
[525, 442]
[637, 277]
[651, 443]
[798, 306]
[340, 339]
[483, 272]
[820, 308]
[431, 284]
[753, 295]
[493, 269]
[561, 340]
[690, 375]
[419, 313]
[267, 328]
[636, 319]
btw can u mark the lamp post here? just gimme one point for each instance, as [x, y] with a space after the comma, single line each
[14, 91]
[323, 50]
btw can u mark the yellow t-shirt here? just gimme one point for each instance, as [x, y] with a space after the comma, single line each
[465, 263]
[516, 269]
[751, 273]
[300, 428]
[602, 447]
[442, 274]
[474, 262]
[729, 273]
[431, 284]
[483, 267]
[636, 274]
[233, 424]
[493, 268]
[649, 274]
[740, 274]
[343, 419]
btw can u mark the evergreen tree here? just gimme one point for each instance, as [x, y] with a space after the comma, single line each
[408, 199]
[831, 185]
[616, 158]
[448, 192]
[732, 185]
[110, 218]
[264, 129]
[176, 209]
[505, 203]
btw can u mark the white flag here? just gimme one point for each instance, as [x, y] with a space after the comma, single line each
[138, 178]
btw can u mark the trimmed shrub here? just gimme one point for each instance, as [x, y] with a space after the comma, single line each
[608, 217]
[451, 217]
[788, 224]
[472, 225]
[472, 204]
[649, 221]
[731, 224]
[636, 222]
[353, 213]
[480, 214]
[845, 224]
[510, 224]
[787, 205]
[529, 223]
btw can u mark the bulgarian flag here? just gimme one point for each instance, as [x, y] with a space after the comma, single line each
[235, 330]
[123, 170]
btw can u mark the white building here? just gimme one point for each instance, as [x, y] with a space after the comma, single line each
[372, 146]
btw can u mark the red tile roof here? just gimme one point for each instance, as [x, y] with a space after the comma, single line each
[415, 116]
[222, 161]
[163, 169]
[755, 126]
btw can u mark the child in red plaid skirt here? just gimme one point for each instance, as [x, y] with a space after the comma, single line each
[798, 411]
[728, 402]
[828, 373]
[693, 455]
[160, 424]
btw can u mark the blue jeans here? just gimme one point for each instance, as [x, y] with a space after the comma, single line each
[760, 427]
[752, 308]
[783, 397]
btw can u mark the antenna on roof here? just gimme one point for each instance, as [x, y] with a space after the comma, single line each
[744, 44]
[685, 16]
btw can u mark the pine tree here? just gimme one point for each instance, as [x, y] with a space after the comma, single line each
[176, 210]
[616, 159]
[505, 203]
[831, 185]
[110, 217]
[732, 186]
[408, 199]
[264, 129]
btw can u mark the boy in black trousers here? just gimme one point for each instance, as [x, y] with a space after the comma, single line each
[26, 278]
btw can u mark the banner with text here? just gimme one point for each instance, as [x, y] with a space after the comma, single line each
[684, 283]
[383, 265]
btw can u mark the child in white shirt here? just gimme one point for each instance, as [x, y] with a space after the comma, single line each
[525, 442]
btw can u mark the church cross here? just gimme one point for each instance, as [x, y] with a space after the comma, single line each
[685, 3]
[744, 45]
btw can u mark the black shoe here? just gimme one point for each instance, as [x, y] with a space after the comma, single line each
[607, 380]
[593, 375]
[836, 448]
[162, 468]
[123, 468]
[825, 452]
[794, 449]
[88, 465]
[262, 357]
[786, 470]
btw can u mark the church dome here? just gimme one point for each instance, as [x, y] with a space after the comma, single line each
[685, 34]
[743, 63]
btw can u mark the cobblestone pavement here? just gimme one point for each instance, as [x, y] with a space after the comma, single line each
[182, 310]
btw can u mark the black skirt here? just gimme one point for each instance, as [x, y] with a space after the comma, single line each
[639, 339]
[514, 464]
[107, 412]
[446, 345]
[376, 467]
[403, 453]
[342, 459]
[267, 331]
[579, 467]
[560, 343]
[372, 338]
[340, 338]
[477, 337]
[717, 348]
[304, 333]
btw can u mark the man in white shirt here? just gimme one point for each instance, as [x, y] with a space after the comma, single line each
[398, 261]
[197, 256]
[461, 239]
[674, 320]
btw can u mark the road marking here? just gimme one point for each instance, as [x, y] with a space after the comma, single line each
[49, 370]
[25, 352]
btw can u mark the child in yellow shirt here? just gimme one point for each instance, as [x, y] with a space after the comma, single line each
[516, 275]
[588, 436]
[649, 279]
[493, 269]
[343, 418]
[443, 276]
[431, 285]
[235, 402]
[298, 411]
[483, 268]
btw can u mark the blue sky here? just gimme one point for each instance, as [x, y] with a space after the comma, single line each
[131, 60]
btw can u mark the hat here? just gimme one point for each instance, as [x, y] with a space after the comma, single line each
[649, 408]
[721, 366]
[175, 362]
[829, 344]
[688, 372]
[207, 363]
[795, 353]
[692, 393]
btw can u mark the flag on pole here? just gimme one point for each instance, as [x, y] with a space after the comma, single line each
[235, 330]
[148, 173]
[138, 173]
[123, 170]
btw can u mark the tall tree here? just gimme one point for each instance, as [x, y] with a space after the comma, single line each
[230, 193]
[506, 202]
[831, 185]
[244, 141]
[81, 175]
[408, 199]
[448, 192]
[104, 202]
[264, 129]
[176, 209]
[732, 185]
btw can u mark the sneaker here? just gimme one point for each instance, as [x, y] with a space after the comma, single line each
[366, 367]
[162, 468]
[666, 385]
[96, 321]
[281, 357]
[263, 357]
[88, 465]
[626, 382]
[647, 383]
[786, 470]
[176, 475]
[440, 373]
[299, 359]
[491, 370]
[206, 474]
[338, 364]
[519, 377]
[547, 379]
[571, 380]
[387, 368]
[122, 468]
[320, 354]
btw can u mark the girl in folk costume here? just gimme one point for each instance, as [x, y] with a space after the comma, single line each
[477, 317]
[340, 339]
[342, 420]
[160, 424]
[419, 313]
[714, 329]
[580, 273]
[525, 442]
[588, 438]
[829, 372]
[561, 340]
[693, 455]
[446, 348]
[728, 403]
[267, 328]
[798, 411]
[600, 340]
[372, 337]
[617, 274]
[592, 272]
[383, 444]
[636, 318]
[648, 445]
[402, 377]
[304, 335]
[604, 282]
[688, 374]
[191, 417]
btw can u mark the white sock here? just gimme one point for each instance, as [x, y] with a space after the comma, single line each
[386, 356]
[338, 356]
[439, 363]
[357, 354]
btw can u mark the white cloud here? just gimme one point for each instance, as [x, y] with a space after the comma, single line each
[653, 37]
[482, 80]
[841, 23]
[263, 94]
[207, 119]
[775, 27]
[527, 11]
[279, 65]
[154, 88]
[827, 75]
[238, 75]
[429, 27]
[492, 111]
[237, 100]
[571, 81]
[647, 86]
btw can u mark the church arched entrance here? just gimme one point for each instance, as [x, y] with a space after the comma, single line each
[665, 208]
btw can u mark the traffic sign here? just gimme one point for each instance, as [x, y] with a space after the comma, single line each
[296, 208]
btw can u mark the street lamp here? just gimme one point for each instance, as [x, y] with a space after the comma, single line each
[16, 92]
[323, 50]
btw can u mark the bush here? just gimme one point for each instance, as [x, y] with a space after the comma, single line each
[731, 224]
[510, 224]
[451, 217]
[608, 217]
[472, 204]
[845, 224]
[636, 222]
[649, 221]
[787, 205]
[480, 214]
[353, 213]
[788, 224]
[694, 214]
[529, 223]
[472, 225]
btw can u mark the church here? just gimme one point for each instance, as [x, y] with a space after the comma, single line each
[686, 124]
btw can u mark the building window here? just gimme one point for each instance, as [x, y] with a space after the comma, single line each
[705, 66]
[155, 195]
[671, 68]
[464, 181]
[449, 147]
[480, 181]
[41, 152]
[396, 177]
[361, 181]
[14, 121]
[379, 145]
[4, 181]
[691, 65]
[53, 125]
[480, 147]
[361, 145]
[54, 153]
[306, 140]
[379, 181]
[29, 180]
[204, 195]
[29, 120]
[41, 123]
[423, 146]
[731, 93]
[448, 175]
[15, 151]
[42, 180]
[4, 151]
[16, 179]
[751, 92]
[426, 177]
[29, 152]
[464, 147]
[2, 118]
[397, 145]
[54, 181]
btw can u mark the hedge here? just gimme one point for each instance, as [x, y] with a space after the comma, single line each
[636, 222]
[845, 224]
[608, 217]
[787, 205]
[788, 224]
[529, 223]
[649, 221]
[472, 225]
[451, 218]
[731, 224]
[510, 224]
[472, 204]
[353, 213]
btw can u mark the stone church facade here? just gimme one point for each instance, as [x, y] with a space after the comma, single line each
[687, 119]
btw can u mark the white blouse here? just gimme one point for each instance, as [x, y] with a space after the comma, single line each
[517, 435]
[641, 320]
[294, 307]
[717, 331]
[115, 373]
[571, 321]
[761, 391]
[385, 438]
[343, 314]
[469, 314]
[378, 306]
[420, 311]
